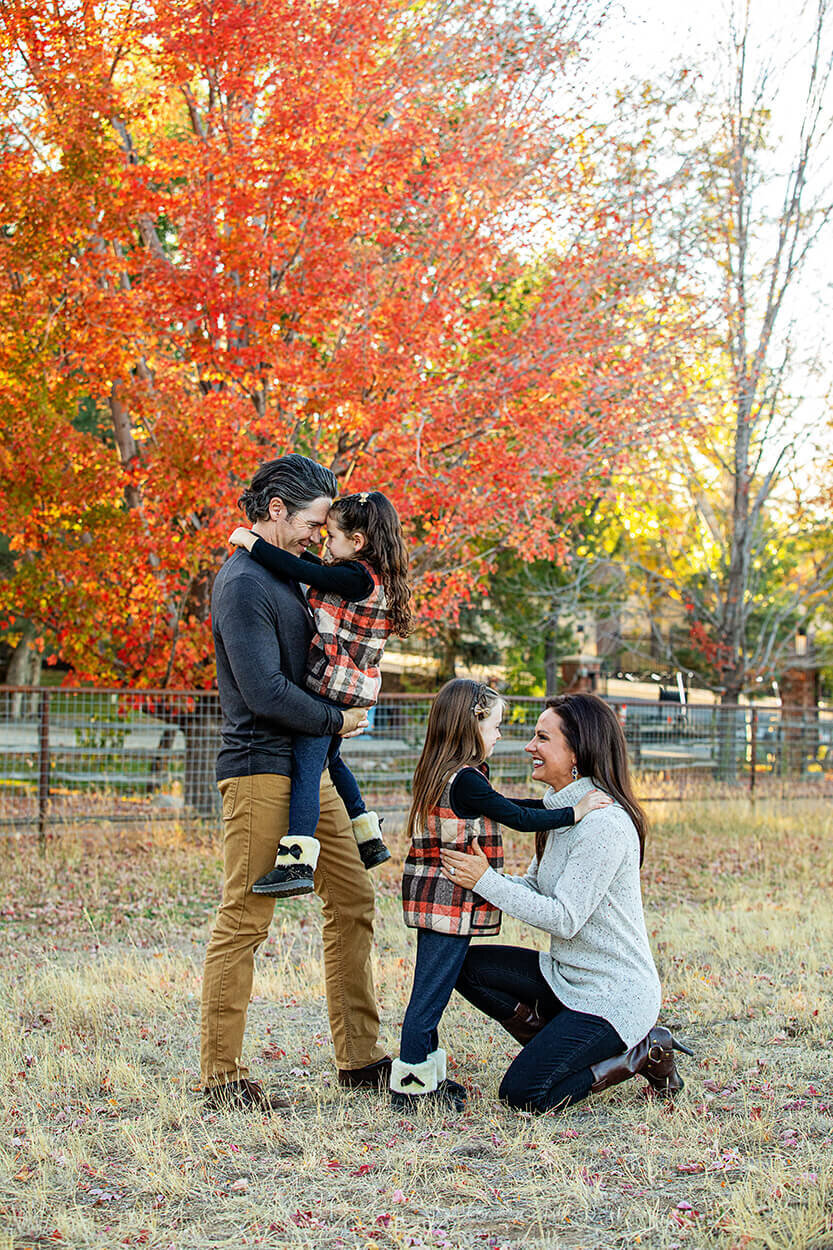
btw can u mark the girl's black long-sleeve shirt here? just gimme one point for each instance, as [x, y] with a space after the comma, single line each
[348, 578]
[471, 796]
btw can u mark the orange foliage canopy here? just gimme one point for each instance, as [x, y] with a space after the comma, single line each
[236, 228]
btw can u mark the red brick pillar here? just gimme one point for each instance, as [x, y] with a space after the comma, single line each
[799, 687]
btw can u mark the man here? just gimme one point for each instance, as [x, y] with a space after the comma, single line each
[262, 630]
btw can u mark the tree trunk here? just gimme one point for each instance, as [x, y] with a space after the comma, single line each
[125, 442]
[552, 676]
[729, 740]
[24, 670]
[448, 655]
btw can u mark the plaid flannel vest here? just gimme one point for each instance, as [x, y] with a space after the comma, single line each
[430, 900]
[346, 651]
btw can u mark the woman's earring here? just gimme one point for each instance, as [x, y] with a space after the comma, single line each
[574, 773]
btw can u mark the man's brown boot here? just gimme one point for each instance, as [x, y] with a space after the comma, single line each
[371, 1076]
[242, 1095]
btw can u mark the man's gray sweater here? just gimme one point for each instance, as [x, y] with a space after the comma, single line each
[262, 630]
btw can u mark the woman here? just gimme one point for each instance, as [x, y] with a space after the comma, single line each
[587, 1007]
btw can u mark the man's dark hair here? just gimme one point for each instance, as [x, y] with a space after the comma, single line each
[295, 480]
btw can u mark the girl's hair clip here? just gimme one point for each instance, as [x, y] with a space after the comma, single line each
[481, 706]
[364, 496]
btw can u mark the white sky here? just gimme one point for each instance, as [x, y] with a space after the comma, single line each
[644, 38]
[644, 35]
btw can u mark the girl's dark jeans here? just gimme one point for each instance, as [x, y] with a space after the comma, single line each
[310, 756]
[553, 1070]
[438, 961]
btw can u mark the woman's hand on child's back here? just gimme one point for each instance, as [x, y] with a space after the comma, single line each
[592, 801]
[242, 537]
[464, 869]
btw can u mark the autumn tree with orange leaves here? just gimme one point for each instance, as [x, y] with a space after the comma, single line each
[362, 231]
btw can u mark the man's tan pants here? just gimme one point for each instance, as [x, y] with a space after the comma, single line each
[255, 815]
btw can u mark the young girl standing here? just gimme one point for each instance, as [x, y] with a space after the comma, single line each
[358, 599]
[452, 804]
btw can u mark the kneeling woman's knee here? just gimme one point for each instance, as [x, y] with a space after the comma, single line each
[518, 1095]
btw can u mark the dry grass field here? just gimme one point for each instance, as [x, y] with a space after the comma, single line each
[102, 941]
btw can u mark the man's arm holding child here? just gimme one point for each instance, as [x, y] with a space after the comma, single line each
[247, 626]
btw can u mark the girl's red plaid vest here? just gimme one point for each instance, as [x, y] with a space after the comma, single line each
[346, 651]
[430, 900]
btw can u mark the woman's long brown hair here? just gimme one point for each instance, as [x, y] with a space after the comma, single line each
[452, 741]
[373, 515]
[595, 736]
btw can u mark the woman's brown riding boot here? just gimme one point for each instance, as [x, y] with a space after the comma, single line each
[523, 1023]
[652, 1058]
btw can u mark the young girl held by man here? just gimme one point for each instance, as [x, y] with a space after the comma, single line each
[358, 599]
[452, 804]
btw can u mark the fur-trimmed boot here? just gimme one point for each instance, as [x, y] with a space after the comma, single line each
[416, 1084]
[294, 868]
[451, 1089]
[368, 835]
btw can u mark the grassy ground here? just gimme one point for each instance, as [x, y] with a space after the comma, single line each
[102, 942]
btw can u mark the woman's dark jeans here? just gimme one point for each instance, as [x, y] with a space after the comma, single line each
[310, 756]
[553, 1070]
[438, 962]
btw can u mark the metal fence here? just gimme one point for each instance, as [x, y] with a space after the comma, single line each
[74, 756]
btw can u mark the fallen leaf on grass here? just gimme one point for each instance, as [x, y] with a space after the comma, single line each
[100, 1196]
[684, 1215]
[306, 1219]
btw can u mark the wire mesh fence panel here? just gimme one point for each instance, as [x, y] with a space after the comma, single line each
[73, 756]
[70, 756]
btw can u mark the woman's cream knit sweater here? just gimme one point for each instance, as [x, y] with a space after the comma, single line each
[585, 893]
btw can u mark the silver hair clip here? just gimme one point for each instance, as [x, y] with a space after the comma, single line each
[363, 497]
